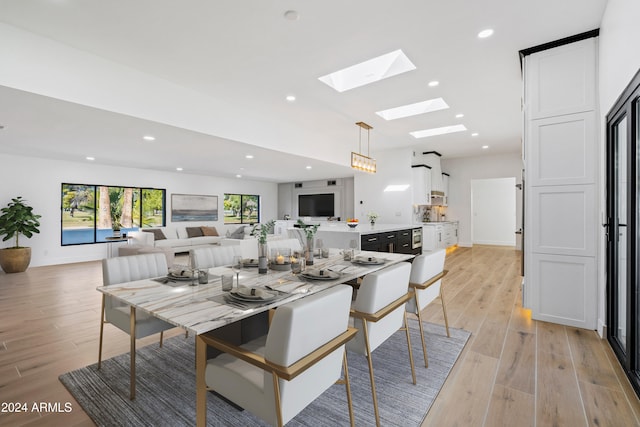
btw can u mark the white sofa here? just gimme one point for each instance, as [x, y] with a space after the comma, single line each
[177, 239]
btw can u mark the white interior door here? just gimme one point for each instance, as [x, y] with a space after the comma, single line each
[493, 207]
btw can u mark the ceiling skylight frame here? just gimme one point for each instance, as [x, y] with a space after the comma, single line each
[370, 71]
[409, 110]
[425, 133]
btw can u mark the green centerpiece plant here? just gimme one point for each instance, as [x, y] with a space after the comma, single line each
[261, 231]
[17, 218]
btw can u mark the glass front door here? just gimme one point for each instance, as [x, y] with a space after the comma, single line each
[623, 272]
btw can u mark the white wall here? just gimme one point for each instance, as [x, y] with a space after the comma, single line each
[39, 182]
[394, 167]
[618, 61]
[462, 171]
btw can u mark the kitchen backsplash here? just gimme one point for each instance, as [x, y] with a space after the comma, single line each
[426, 213]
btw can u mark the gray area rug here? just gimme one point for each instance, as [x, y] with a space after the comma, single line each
[165, 394]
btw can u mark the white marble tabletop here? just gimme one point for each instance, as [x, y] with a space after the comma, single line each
[202, 308]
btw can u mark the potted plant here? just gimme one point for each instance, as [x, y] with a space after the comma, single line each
[17, 218]
[372, 218]
[310, 232]
[261, 231]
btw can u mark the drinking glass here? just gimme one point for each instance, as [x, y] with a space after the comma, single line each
[227, 282]
[236, 266]
[353, 244]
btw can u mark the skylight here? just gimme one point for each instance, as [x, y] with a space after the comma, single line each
[437, 131]
[373, 70]
[396, 187]
[413, 109]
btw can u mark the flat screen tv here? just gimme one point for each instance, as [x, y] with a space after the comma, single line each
[316, 205]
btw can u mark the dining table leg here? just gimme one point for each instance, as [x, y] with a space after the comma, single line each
[201, 387]
[132, 334]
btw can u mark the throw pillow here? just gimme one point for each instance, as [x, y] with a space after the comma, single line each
[238, 233]
[194, 232]
[209, 231]
[157, 233]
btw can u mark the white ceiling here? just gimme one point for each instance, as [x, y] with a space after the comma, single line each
[246, 57]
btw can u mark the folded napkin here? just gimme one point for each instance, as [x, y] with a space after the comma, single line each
[253, 292]
[180, 271]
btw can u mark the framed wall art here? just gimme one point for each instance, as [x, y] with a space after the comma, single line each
[193, 207]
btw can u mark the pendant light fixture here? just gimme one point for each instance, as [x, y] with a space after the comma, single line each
[360, 161]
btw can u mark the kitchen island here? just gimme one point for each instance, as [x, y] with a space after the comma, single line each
[400, 238]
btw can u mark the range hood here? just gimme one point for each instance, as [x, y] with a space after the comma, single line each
[432, 159]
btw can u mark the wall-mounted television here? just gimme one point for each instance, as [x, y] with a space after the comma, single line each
[316, 204]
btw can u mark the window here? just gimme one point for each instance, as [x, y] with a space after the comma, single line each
[91, 212]
[241, 209]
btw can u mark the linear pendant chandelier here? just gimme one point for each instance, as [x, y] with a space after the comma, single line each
[360, 161]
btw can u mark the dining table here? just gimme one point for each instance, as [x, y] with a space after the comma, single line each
[200, 308]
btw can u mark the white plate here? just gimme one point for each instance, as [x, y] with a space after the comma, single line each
[253, 298]
[250, 262]
[315, 275]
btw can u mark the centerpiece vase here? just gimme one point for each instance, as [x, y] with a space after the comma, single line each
[373, 222]
[308, 251]
[262, 258]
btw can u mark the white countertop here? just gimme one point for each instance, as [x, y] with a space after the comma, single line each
[438, 222]
[364, 228]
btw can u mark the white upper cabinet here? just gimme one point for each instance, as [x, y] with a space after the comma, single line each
[421, 184]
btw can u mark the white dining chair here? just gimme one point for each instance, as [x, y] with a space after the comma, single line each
[379, 312]
[276, 376]
[126, 269]
[427, 271]
[214, 256]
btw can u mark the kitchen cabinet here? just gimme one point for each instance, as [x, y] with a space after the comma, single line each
[440, 235]
[421, 184]
[391, 241]
[445, 188]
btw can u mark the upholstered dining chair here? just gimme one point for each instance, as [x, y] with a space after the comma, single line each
[427, 271]
[303, 354]
[214, 256]
[126, 269]
[378, 312]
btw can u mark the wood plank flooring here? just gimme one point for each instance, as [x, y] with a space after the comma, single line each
[513, 371]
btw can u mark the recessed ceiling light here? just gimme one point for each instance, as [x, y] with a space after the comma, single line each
[249, 156]
[179, 169]
[149, 138]
[437, 131]
[485, 33]
[238, 176]
[400, 187]
[308, 167]
[373, 70]
[90, 158]
[484, 147]
[413, 109]
[291, 15]
[434, 83]
[291, 98]
[475, 134]
[459, 116]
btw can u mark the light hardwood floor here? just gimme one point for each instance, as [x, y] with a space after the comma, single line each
[513, 371]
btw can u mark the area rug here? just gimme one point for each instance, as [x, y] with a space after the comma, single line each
[165, 393]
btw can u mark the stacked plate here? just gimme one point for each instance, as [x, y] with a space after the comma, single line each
[320, 274]
[362, 260]
[250, 262]
[263, 296]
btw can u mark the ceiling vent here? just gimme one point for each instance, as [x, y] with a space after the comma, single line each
[298, 185]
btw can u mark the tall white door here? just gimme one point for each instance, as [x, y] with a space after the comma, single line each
[561, 157]
[493, 209]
